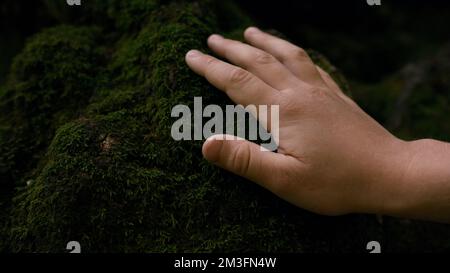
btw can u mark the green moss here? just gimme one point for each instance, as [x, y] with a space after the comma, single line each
[50, 82]
[111, 177]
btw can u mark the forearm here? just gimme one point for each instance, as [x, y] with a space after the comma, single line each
[423, 182]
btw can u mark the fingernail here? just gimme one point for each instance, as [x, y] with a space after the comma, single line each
[193, 53]
[216, 137]
[215, 37]
[213, 137]
[253, 30]
[210, 138]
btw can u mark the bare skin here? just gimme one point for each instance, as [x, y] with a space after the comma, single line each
[333, 158]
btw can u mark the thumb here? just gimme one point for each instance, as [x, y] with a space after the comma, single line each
[246, 159]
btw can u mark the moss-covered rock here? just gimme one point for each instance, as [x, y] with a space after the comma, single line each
[86, 121]
[49, 84]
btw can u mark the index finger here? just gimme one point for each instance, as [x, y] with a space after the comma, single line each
[293, 57]
[240, 85]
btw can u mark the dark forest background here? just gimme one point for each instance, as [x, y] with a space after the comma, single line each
[367, 42]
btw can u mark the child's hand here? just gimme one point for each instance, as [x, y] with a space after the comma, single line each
[332, 157]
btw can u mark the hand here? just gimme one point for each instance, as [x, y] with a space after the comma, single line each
[332, 157]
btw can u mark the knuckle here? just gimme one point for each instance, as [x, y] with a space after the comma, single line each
[211, 67]
[317, 93]
[210, 61]
[239, 76]
[264, 58]
[299, 54]
[290, 102]
[241, 159]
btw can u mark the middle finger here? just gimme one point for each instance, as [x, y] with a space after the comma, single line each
[259, 62]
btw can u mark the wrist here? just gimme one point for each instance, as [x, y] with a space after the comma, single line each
[417, 181]
[383, 189]
[396, 195]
